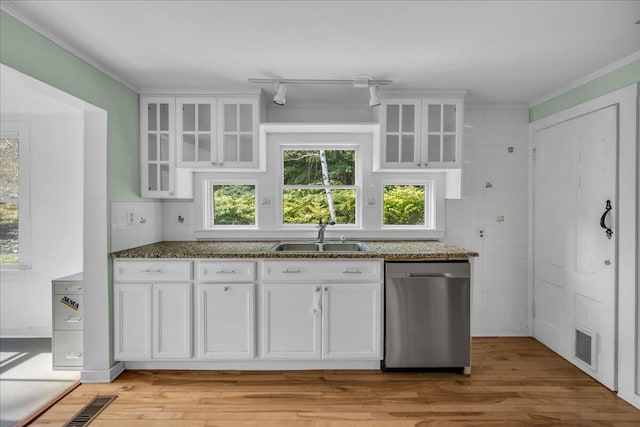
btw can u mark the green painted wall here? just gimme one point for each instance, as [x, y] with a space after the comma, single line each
[616, 79]
[25, 50]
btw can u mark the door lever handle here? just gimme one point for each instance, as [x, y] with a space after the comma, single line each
[607, 209]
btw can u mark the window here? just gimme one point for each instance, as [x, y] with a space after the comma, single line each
[407, 205]
[230, 204]
[14, 195]
[319, 183]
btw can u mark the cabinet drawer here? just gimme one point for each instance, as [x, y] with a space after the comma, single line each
[322, 271]
[67, 348]
[153, 270]
[68, 312]
[68, 288]
[220, 271]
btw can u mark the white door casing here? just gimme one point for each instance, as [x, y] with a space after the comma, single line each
[574, 260]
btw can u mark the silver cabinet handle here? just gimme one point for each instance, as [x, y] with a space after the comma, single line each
[152, 270]
[73, 289]
[351, 271]
[288, 271]
[73, 355]
[429, 275]
[226, 272]
[73, 319]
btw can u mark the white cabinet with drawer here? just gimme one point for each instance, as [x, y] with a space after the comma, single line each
[322, 309]
[68, 318]
[153, 310]
[226, 293]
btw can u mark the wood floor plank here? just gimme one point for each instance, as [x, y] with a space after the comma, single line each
[514, 382]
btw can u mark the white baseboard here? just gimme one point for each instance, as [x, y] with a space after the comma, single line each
[103, 375]
[256, 365]
[42, 332]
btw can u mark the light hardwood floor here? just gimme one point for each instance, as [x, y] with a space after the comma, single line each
[514, 382]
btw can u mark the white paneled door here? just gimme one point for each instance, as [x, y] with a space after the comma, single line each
[574, 253]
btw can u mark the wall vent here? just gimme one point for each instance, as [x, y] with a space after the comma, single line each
[584, 346]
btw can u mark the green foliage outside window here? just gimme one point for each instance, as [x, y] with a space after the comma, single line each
[404, 205]
[9, 191]
[308, 206]
[234, 205]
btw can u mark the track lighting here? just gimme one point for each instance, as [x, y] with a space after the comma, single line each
[281, 89]
[358, 82]
[374, 96]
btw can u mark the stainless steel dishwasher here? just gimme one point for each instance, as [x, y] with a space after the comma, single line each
[427, 315]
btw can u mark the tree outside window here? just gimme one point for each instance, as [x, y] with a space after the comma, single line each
[9, 200]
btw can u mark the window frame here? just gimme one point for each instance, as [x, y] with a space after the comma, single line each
[330, 146]
[430, 208]
[209, 204]
[21, 131]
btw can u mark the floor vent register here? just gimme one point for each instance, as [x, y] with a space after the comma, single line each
[90, 411]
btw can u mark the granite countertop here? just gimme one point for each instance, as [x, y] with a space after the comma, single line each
[397, 250]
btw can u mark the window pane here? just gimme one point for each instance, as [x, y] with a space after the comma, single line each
[9, 193]
[246, 117]
[449, 118]
[308, 206]
[434, 117]
[164, 177]
[231, 148]
[164, 146]
[188, 148]
[246, 148]
[449, 148]
[164, 116]
[230, 117]
[152, 116]
[434, 148]
[234, 204]
[404, 205]
[204, 148]
[393, 118]
[408, 118]
[189, 117]
[407, 148]
[153, 147]
[204, 117]
[305, 167]
[153, 177]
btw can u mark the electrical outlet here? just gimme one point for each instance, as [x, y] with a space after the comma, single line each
[481, 233]
[266, 202]
[500, 218]
[131, 217]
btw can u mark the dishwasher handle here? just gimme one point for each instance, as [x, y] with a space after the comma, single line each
[418, 275]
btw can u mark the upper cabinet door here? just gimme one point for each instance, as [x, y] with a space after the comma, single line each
[196, 124]
[442, 127]
[401, 133]
[157, 146]
[238, 133]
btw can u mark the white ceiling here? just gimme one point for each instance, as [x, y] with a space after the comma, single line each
[501, 51]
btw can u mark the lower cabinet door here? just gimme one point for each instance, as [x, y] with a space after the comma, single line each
[291, 321]
[351, 321]
[227, 321]
[132, 321]
[173, 321]
[67, 349]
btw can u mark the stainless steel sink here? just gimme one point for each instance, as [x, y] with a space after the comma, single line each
[337, 246]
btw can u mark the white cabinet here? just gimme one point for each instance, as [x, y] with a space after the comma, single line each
[322, 309]
[132, 321]
[227, 310]
[153, 310]
[419, 133]
[291, 321]
[157, 147]
[351, 321]
[182, 134]
[172, 320]
[68, 319]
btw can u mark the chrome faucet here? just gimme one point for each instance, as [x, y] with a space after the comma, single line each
[322, 226]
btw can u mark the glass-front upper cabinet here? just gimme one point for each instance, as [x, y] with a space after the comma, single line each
[196, 118]
[443, 130]
[238, 132]
[420, 133]
[401, 133]
[157, 130]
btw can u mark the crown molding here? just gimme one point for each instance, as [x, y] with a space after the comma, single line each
[586, 79]
[9, 6]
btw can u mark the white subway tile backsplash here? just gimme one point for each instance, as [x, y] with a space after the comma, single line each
[500, 273]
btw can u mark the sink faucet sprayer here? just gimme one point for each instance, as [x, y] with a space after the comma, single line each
[322, 226]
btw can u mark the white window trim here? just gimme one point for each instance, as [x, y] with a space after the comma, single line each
[327, 147]
[429, 201]
[21, 130]
[209, 207]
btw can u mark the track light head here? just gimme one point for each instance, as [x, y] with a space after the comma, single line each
[374, 96]
[279, 99]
